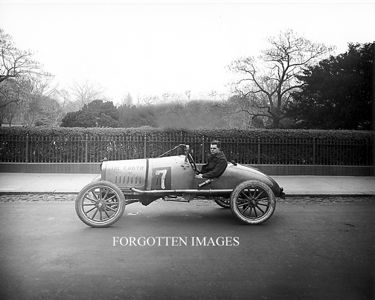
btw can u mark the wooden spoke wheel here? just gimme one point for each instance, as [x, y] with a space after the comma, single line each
[253, 202]
[100, 204]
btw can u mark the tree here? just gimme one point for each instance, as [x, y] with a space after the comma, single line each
[10, 94]
[337, 93]
[137, 116]
[86, 92]
[80, 94]
[266, 83]
[243, 109]
[15, 65]
[127, 100]
[28, 101]
[66, 102]
[95, 114]
[8, 113]
[50, 113]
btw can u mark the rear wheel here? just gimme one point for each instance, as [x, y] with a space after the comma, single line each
[100, 204]
[223, 202]
[253, 202]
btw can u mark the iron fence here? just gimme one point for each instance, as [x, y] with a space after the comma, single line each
[245, 150]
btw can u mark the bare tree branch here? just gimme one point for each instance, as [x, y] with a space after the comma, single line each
[273, 75]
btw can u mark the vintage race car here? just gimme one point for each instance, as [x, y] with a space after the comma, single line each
[250, 194]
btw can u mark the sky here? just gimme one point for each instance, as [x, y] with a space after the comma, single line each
[148, 48]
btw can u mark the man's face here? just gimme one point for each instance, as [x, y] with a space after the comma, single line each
[214, 149]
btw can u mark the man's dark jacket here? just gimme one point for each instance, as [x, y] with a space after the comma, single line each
[216, 165]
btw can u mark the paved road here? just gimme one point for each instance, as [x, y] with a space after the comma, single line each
[318, 249]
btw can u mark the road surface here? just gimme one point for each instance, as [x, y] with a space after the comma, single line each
[311, 248]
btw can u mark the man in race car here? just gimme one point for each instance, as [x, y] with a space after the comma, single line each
[217, 162]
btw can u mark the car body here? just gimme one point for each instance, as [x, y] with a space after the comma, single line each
[248, 192]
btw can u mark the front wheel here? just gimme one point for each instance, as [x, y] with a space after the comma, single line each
[253, 202]
[100, 204]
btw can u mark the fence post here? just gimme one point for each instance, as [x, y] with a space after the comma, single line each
[145, 145]
[86, 147]
[314, 150]
[258, 150]
[203, 149]
[27, 148]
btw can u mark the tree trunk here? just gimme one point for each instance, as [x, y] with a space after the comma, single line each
[275, 122]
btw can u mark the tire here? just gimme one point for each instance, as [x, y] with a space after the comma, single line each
[100, 204]
[223, 202]
[253, 202]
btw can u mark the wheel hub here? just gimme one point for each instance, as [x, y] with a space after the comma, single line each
[100, 205]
